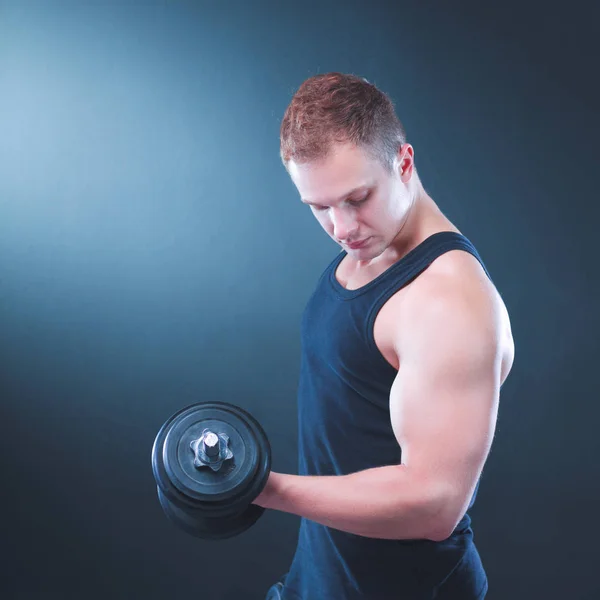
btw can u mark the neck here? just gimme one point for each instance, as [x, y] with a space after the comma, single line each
[415, 227]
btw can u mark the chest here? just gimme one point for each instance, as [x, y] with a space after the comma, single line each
[386, 320]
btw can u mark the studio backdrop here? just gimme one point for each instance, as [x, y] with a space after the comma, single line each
[154, 253]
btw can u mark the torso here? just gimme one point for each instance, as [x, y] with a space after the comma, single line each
[395, 310]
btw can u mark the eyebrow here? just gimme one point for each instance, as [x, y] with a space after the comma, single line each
[343, 196]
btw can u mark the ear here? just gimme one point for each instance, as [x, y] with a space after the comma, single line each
[405, 161]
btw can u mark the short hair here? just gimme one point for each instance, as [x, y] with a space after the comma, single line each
[339, 108]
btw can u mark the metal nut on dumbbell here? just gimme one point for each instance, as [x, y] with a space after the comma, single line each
[211, 450]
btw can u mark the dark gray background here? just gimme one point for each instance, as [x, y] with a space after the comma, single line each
[153, 253]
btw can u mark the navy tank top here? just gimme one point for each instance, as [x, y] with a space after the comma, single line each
[343, 404]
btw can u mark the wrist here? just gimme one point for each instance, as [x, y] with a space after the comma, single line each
[274, 490]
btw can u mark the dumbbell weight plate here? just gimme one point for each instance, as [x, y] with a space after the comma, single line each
[239, 479]
[190, 493]
[195, 523]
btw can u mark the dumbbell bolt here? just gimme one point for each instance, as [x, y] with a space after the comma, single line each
[211, 444]
[211, 450]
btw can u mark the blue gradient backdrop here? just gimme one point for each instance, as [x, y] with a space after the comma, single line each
[153, 253]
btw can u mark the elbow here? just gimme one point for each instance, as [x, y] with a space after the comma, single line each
[439, 532]
[439, 509]
[443, 520]
[441, 528]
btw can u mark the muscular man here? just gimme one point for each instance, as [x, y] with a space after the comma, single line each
[405, 345]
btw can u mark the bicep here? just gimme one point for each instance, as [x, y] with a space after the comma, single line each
[444, 402]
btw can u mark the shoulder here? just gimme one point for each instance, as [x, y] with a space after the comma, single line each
[455, 280]
[453, 298]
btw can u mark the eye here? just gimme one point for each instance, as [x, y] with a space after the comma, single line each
[359, 202]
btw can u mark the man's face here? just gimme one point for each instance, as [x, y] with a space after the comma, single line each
[357, 202]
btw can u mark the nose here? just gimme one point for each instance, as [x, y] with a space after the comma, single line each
[344, 225]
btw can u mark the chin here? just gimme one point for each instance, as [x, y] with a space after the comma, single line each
[370, 253]
[363, 253]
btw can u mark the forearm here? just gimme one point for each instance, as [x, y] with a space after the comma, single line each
[384, 502]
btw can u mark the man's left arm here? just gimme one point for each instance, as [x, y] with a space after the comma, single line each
[443, 407]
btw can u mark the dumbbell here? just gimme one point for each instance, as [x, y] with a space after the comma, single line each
[210, 460]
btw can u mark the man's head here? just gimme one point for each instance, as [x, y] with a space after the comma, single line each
[345, 150]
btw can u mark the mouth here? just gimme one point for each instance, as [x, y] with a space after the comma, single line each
[357, 245]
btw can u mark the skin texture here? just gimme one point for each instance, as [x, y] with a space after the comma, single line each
[448, 334]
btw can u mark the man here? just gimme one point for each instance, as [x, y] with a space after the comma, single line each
[405, 345]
